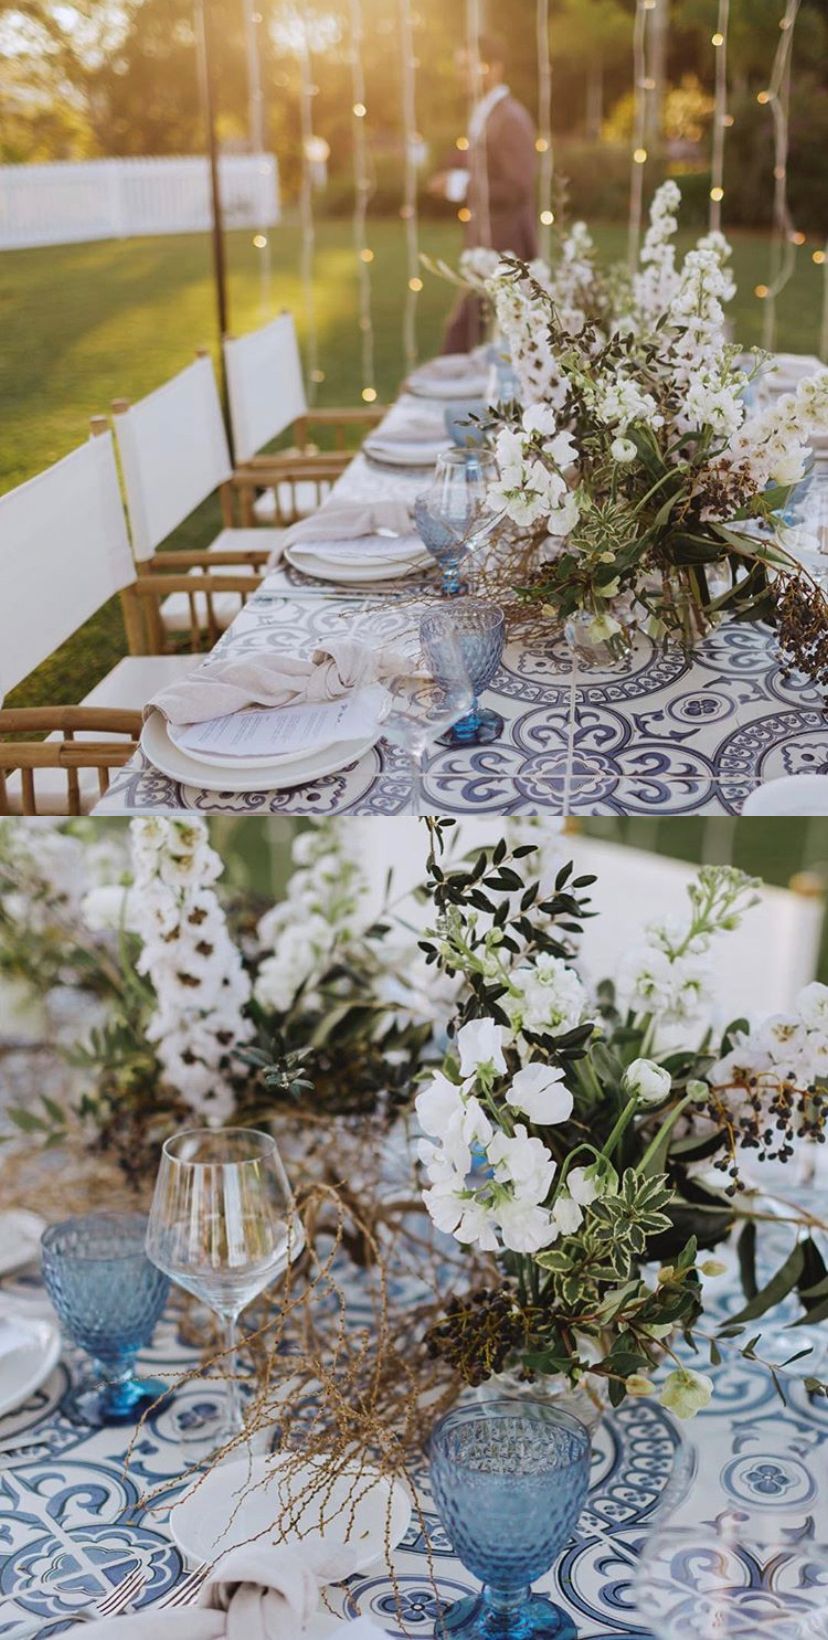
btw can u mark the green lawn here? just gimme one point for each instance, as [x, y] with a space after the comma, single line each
[84, 324]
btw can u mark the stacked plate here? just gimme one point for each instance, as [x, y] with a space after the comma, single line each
[275, 772]
[29, 1343]
[454, 376]
[361, 561]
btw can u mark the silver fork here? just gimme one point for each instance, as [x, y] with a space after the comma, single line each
[184, 1593]
[110, 1605]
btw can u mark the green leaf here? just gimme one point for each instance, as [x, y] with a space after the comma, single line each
[746, 1249]
[776, 1289]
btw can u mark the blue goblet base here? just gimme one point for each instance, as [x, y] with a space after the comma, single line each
[99, 1404]
[479, 1618]
[478, 728]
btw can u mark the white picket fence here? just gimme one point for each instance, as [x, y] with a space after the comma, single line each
[122, 198]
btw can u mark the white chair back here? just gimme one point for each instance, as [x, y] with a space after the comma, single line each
[64, 551]
[174, 454]
[264, 385]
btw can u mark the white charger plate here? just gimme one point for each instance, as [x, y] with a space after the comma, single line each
[230, 1505]
[20, 1234]
[23, 1369]
[227, 776]
[353, 574]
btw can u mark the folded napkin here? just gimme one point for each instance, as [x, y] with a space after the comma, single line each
[215, 690]
[347, 520]
[258, 1592]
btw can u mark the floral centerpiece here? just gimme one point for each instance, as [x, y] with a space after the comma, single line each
[591, 1144]
[210, 1006]
[649, 487]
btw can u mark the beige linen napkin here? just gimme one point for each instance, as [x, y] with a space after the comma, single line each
[347, 521]
[257, 1592]
[333, 669]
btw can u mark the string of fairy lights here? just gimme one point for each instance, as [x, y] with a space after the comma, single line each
[543, 142]
[408, 209]
[776, 97]
[362, 193]
[721, 118]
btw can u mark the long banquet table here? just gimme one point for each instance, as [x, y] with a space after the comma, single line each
[74, 1519]
[659, 734]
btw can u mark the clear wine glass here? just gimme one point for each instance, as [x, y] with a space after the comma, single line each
[453, 515]
[426, 697]
[694, 1582]
[223, 1225]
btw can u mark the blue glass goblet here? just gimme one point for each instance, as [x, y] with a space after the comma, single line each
[109, 1297]
[453, 515]
[509, 1478]
[480, 630]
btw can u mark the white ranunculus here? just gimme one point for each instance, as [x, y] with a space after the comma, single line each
[623, 449]
[649, 1082]
[480, 1043]
[540, 1093]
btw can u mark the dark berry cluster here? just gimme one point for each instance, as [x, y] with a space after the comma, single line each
[478, 1333]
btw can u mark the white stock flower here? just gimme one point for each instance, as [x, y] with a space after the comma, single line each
[108, 908]
[548, 997]
[649, 1082]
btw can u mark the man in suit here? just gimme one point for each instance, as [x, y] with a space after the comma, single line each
[496, 186]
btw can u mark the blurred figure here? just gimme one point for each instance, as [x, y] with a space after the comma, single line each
[494, 179]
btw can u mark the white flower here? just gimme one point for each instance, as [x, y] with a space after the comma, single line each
[540, 1093]
[547, 998]
[583, 1185]
[108, 908]
[525, 1228]
[685, 1392]
[522, 1162]
[540, 418]
[481, 1047]
[812, 1006]
[567, 1214]
[623, 449]
[650, 1083]
[437, 1102]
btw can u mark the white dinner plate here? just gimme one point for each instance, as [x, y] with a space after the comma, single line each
[231, 1504]
[20, 1234]
[391, 454]
[227, 776]
[436, 387]
[251, 764]
[23, 1369]
[350, 573]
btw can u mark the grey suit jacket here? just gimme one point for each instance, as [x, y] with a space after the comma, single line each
[511, 162]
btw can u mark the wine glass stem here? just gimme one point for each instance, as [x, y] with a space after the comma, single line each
[235, 1419]
[418, 797]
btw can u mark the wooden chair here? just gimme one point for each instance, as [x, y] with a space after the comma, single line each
[266, 394]
[174, 456]
[64, 552]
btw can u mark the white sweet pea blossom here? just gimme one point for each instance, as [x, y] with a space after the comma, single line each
[540, 1093]
[437, 1103]
[648, 1082]
[480, 1043]
[523, 1162]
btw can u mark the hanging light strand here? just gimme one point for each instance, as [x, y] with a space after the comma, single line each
[783, 244]
[640, 121]
[256, 131]
[544, 140]
[478, 159]
[313, 374]
[720, 116]
[362, 190]
[409, 205]
[823, 340]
